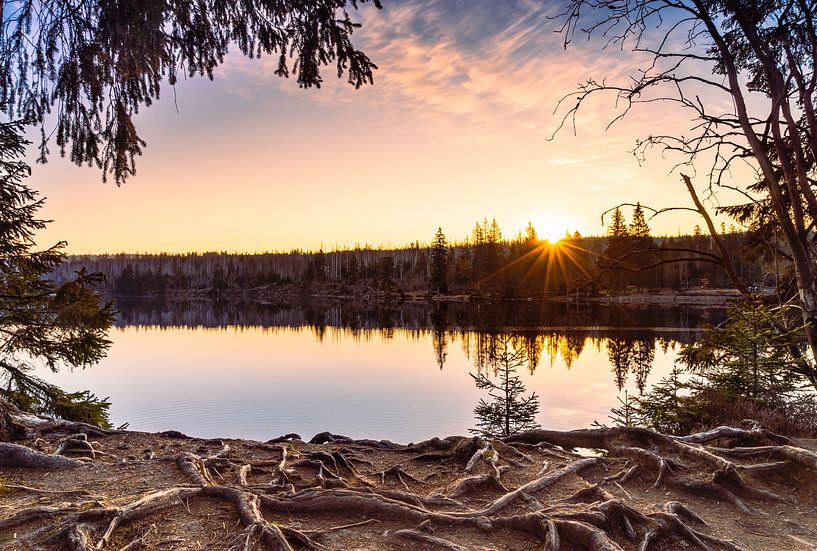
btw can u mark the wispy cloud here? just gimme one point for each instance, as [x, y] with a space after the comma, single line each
[475, 62]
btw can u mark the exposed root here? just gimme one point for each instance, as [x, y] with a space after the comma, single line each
[139, 543]
[194, 469]
[507, 449]
[487, 454]
[754, 434]
[473, 483]
[291, 437]
[681, 510]
[591, 494]
[452, 448]
[452, 502]
[76, 443]
[437, 543]
[15, 455]
[585, 535]
[802, 457]
[243, 472]
[535, 486]
[398, 473]
[38, 425]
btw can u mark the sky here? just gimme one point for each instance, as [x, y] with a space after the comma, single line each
[456, 128]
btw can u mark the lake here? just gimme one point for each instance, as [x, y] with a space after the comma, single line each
[401, 373]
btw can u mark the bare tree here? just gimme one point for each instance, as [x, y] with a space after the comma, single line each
[760, 58]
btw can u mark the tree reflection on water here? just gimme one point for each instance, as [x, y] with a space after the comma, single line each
[540, 332]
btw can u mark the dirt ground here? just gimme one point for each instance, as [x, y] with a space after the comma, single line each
[131, 490]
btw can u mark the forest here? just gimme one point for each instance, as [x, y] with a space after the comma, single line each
[487, 263]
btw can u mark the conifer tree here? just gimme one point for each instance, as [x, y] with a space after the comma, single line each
[439, 263]
[639, 242]
[639, 230]
[509, 411]
[618, 226]
[617, 246]
[530, 233]
[42, 323]
[748, 358]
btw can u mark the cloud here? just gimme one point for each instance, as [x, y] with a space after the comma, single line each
[445, 65]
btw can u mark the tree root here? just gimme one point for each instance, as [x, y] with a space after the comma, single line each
[585, 535]
[535, 486]
[472, 483]
[139, 543]
[15, 455]
[398, 473]
[437, 543]
[323, 481]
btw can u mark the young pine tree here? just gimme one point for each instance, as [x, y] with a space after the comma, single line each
[509, 411]
[749, 358]
[42, 323]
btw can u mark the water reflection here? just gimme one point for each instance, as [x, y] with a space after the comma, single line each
[630, 334]
[399, 372]
[631, 356]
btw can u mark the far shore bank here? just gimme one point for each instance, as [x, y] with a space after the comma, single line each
[297, 295]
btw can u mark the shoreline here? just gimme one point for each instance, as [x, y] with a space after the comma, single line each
[274, 296]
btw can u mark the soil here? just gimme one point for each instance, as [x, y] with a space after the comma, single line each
[603, 489]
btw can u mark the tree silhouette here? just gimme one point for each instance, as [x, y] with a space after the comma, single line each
[618, 246]
[92, 65]
[762, 58]
[530, 233]
[439, 263]
[639, 231]
[58, 325]
[509, 411]
[631, 356]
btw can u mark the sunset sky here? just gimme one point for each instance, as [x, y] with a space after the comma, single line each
[454, 129]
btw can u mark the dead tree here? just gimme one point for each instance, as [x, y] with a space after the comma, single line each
[758, 58]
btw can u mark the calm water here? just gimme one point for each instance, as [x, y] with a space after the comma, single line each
[261, 371]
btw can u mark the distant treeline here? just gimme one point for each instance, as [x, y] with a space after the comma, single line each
[628, 258]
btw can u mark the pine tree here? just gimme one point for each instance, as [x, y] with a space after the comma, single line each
[530, 233]
[617, 246]
[639, 243]
[477, 253]
[664, 408]
[639, 228]
[42, 323]
[749, 357]
[439, 263]
[493, 242]
[628, 414]
[509, 411]
[618, 226]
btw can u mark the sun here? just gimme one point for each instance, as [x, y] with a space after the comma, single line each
[551, 227]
